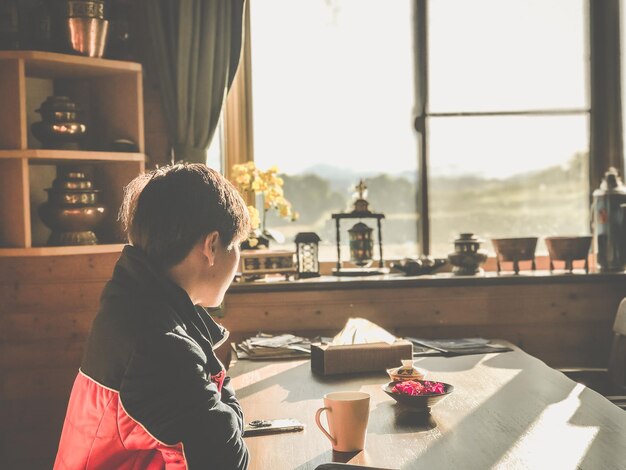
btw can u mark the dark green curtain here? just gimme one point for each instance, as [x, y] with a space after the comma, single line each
[196, 46]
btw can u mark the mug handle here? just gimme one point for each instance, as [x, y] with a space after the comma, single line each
[319, 425]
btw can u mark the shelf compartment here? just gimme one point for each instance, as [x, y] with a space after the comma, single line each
[110, 96]
[108, 92]
[68, 156]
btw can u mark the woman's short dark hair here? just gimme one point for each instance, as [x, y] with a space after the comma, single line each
[168, 210]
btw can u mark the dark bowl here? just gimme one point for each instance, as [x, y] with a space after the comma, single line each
[515, 249]
[418, 266]
[568, 248]
[418, 402]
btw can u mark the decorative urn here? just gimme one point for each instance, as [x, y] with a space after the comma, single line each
[72, 211]
[468, 257]
[59, 127]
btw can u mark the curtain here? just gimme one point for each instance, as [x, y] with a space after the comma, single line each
[196, 46]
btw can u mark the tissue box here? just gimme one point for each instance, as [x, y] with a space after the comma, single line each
[327, 359]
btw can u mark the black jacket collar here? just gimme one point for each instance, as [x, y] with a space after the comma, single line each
[135, 271]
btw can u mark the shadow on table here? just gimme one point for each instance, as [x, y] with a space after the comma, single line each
[471, 444]
[391, 418]
[603, 442]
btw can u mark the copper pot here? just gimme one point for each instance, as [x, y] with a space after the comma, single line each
[87, 36]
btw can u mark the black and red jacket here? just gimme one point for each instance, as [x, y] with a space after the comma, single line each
[150, 393]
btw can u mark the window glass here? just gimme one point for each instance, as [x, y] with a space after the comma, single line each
[494, 55]
[333, 90]
[215, 154]
[502, 177]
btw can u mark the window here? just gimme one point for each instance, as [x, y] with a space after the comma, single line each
[480, 125]
[333, 91]
[508, 117]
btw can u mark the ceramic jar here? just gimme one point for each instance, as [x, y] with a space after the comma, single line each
[468, 257]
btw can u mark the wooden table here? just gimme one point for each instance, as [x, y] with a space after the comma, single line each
[508, 410]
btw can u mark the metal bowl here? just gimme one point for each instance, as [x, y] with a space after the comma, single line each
[57, 134]
[515, 249]
[71, 179]
[73, 197]
[71, 218]
[87, 36]
[568, 248]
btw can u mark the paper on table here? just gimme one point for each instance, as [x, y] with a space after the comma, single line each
[362, 331]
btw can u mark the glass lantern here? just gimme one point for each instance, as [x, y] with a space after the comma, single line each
[307, 254]
[361, 244]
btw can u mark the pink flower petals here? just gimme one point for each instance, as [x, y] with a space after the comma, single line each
[413, 388]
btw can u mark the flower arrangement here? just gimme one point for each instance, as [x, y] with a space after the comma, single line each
[265, 187]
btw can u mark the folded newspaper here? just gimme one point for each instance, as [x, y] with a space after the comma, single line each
[455, 347]
[266, 346]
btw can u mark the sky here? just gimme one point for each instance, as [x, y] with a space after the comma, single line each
[333, 84]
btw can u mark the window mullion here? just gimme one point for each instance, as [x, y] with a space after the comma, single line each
[606, 146]
[421, 110]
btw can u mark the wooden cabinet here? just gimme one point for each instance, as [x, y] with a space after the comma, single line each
[110, 96]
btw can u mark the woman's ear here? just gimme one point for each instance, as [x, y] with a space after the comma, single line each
[209, 247]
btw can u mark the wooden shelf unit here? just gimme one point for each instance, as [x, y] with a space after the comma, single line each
[110, 96]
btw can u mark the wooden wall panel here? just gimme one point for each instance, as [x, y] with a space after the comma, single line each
[50, 298]
[47, 305]
[424, 306]
[35, 269]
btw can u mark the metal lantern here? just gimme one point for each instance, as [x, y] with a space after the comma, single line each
[361, 244]
[361, 238]
[307, 253]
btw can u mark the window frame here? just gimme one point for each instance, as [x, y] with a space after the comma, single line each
[604, 90]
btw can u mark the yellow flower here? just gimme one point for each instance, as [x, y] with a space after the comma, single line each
[253, 242]
[255, 221]
[252, 181]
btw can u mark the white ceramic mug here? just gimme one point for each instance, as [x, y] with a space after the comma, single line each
[347, 414]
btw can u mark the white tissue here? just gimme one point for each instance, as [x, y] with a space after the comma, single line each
[362, 331]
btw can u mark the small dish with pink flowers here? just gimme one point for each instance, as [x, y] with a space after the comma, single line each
[418, 394]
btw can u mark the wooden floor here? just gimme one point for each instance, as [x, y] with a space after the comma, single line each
[47, 305]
